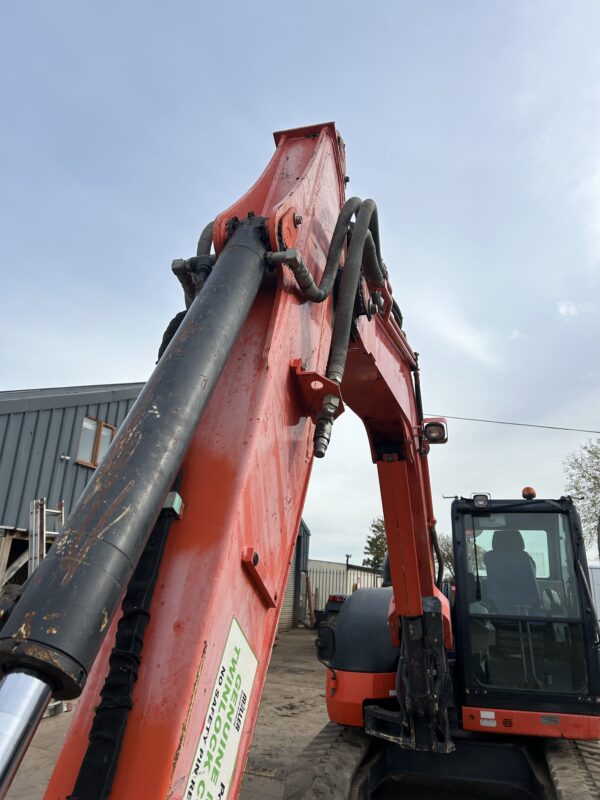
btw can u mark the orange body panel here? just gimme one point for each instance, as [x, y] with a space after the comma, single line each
[244, 482]
[531, 723]
[347, 692]
[378, 386]
[284, 185]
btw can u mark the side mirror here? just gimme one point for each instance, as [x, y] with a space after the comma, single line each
[325, 644]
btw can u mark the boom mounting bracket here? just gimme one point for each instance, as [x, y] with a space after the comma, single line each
[316, 389]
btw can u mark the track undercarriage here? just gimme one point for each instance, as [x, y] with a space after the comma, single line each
[346, 764]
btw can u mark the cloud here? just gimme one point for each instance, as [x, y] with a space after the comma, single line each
[516, 334]
[567, 310]
[449, 324]
[588, 192]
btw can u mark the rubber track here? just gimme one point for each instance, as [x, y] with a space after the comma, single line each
[326, 767]
[574, 767]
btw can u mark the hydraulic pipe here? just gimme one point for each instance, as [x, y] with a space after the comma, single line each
[347, 293]
[206, 239]
[23, 700]
[370, 263]
[306, 283]
[364, 228]
[56, 629]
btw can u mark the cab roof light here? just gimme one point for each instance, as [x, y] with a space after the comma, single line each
[529, 493]
[435, 432]
[481, 500]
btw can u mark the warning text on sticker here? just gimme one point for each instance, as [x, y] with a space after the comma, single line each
[224, 719]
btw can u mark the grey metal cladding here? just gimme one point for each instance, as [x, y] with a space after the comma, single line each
[39, 437]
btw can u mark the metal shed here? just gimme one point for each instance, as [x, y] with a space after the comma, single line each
[294, 599]
[43, 449]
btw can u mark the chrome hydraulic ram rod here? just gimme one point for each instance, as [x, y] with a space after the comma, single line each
[23, 700]
[56, 629]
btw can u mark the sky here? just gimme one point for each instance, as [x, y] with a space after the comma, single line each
[474, 126]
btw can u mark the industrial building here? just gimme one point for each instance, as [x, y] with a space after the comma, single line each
[51, 441]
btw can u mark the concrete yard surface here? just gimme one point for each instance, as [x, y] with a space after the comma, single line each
[292, 711]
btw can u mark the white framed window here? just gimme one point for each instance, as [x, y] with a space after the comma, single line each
[94, 440]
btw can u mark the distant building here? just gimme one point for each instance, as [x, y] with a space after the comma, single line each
[51, 441]
[334, 577]
[294, 601]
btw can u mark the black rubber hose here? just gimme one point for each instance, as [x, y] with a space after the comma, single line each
[338, 241]
[170, 332]
[344, 313]
[370, 263]
[374, 228]
[205, 241]
[305, 281]
[417, 385]
[396, 313]
[438, 555]
[347, 293]
[99, 765]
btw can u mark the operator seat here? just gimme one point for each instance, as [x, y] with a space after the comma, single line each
[511, 584]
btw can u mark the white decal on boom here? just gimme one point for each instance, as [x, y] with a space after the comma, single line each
[216, 754]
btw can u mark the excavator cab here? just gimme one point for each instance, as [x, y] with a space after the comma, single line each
[525, 626]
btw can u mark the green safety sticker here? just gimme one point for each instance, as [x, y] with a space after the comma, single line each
[216, 754]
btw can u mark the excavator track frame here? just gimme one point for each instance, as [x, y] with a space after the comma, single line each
[345, 763]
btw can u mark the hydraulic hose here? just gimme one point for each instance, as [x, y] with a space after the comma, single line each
[347, 293]
[364, 229]
[205, 241]
[193, 272]
[438, 555]
[306, 283]
[336, 246]
[371, 263]
[364, 253]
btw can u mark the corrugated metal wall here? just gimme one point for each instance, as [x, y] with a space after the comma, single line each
[38, 427]
[339, 581]
[294, 598]
[286, 620]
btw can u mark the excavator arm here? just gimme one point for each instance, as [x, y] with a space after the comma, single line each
[172, 567]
